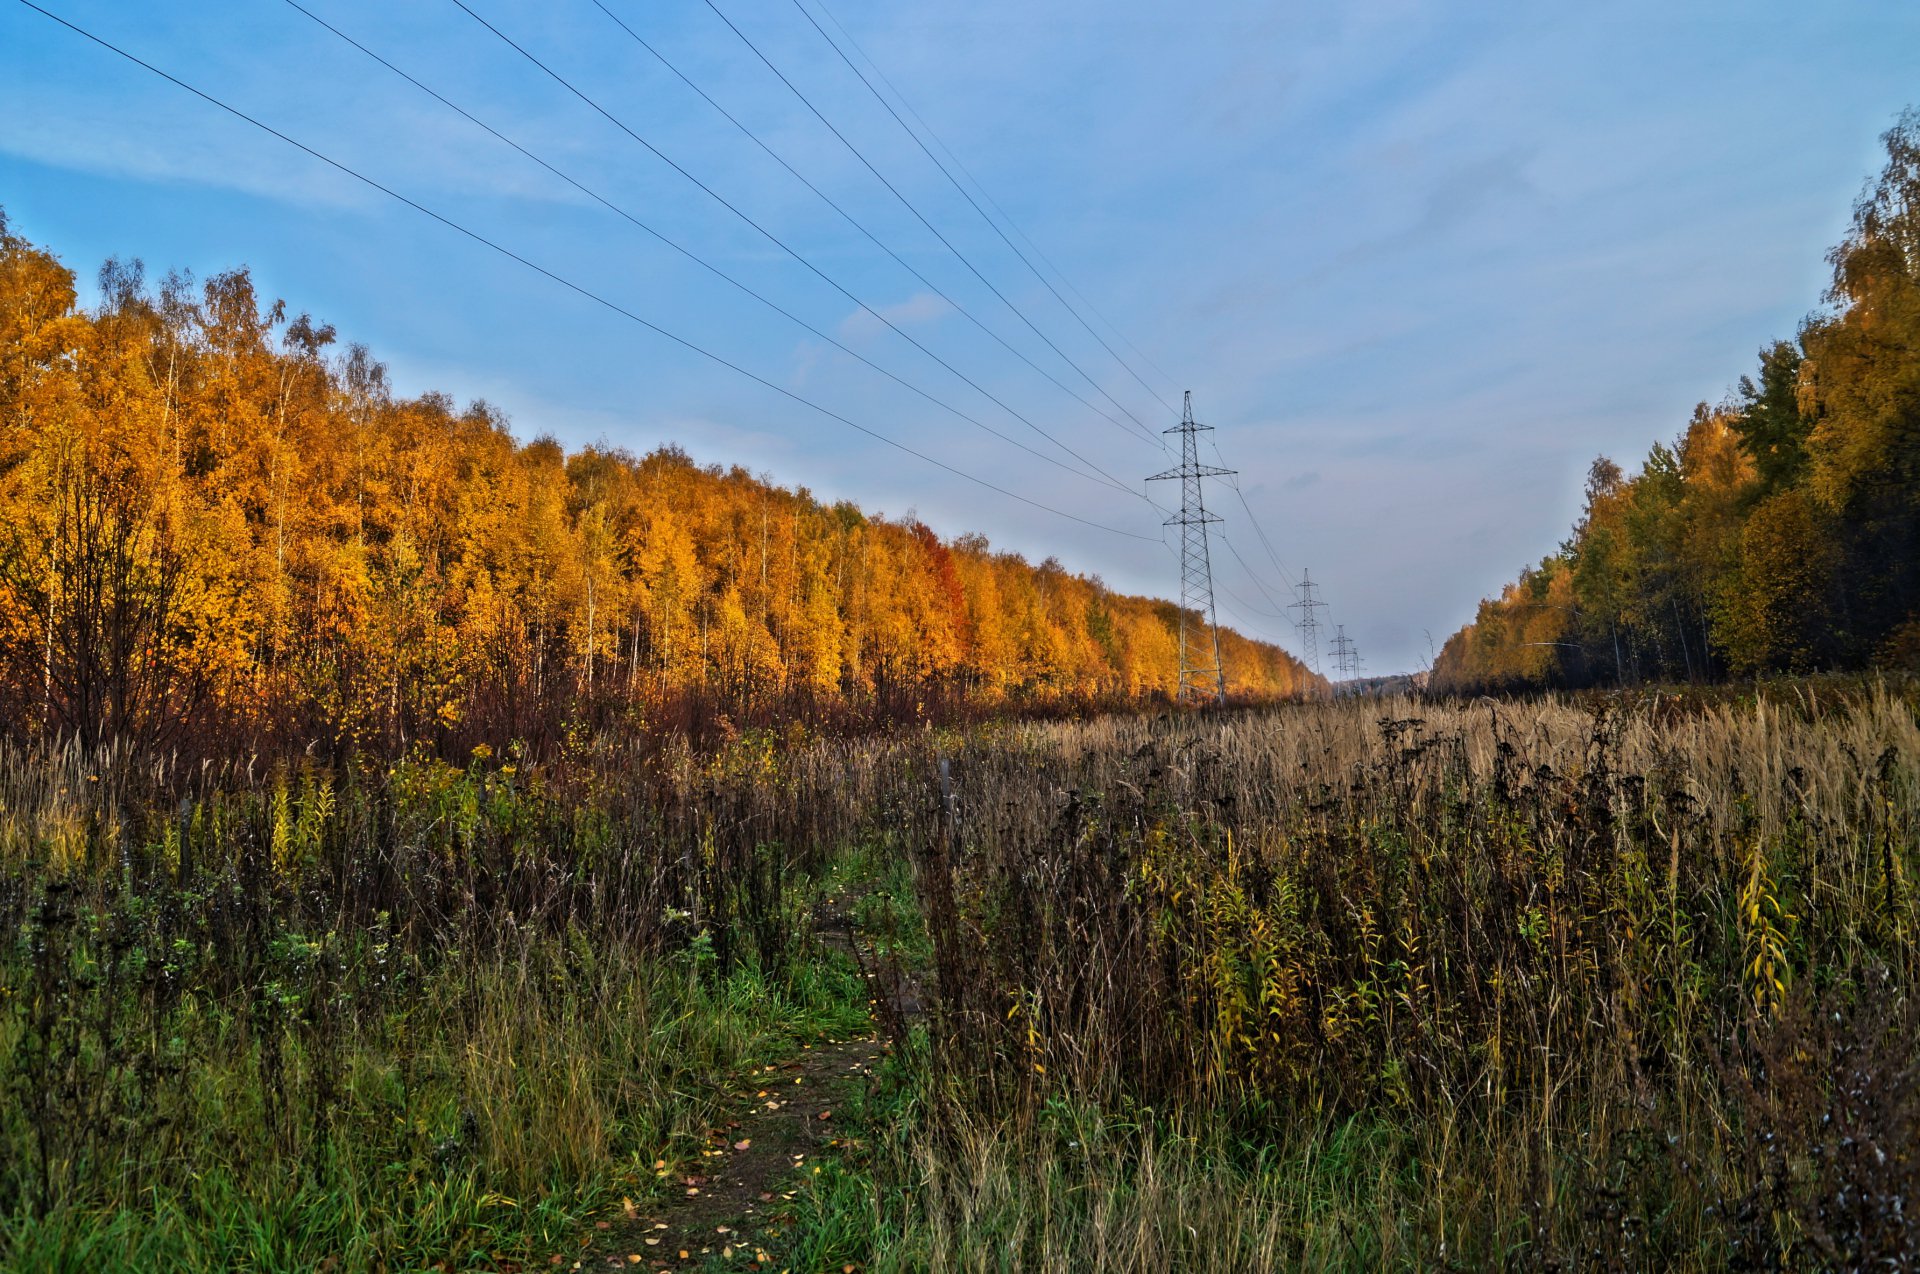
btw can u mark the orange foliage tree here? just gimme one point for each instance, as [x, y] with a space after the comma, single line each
[217, 524]
[1781, 533]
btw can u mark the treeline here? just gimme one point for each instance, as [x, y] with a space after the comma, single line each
[1779, 533]
[217, 530]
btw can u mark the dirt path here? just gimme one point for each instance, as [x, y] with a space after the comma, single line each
[729, 1212]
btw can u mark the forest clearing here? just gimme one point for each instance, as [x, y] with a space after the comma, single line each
[699, 801]
[1617, 982]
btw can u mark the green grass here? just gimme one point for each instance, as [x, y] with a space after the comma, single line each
[497, 1140]
[487, 1112]
[1270, 990]
[922, 1184]
[1626, 987]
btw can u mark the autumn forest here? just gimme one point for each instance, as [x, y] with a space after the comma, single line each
[428, 846]
[218, 526]
[1779, 533]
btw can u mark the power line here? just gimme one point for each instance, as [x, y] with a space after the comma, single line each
[1103, 479]
[574, 287]
[908, 204]
[1259, 530]
[1344, 654]
[1248, 630]
[878, 97]
[1277, 607]
[1309, 623]
[762, 230]
[564, 282]
[1201, 672]
[1309, 634]
[851, 220]
[988, 196]
[1309, 626]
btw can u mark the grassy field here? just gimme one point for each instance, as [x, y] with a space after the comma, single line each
[1610, 983]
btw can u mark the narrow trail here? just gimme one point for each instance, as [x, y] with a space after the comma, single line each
[731, 1211]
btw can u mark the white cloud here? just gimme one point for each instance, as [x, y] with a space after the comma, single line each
[921, 308]
[169, 146]
[170, 137]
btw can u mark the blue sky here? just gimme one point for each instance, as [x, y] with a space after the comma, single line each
[1419, 262]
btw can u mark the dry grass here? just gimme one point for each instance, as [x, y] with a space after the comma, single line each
[1545, 966]
[1599, 983]
[385, 1018]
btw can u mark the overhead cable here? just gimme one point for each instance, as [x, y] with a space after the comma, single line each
[921, 217]
[988, 196]
[590, 295]
[767, 234]
[857, 224]
[1102, 478]
[1015, 248]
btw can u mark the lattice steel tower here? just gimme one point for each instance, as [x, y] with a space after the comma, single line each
[1309, 623]
[1344, 654]
[1201, 676]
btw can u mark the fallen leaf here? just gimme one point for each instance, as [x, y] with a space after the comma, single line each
[743, 1143]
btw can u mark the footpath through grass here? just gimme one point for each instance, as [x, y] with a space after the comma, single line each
[1623, 982]
[852, 1152]
[418, 1018]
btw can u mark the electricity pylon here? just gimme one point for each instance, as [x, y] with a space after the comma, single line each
[1309, 622]
[1343, 654]
[1201, 676]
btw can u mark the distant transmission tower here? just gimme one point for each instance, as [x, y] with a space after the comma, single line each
[1309, 622]
[1343, 654]
[1201, 676]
